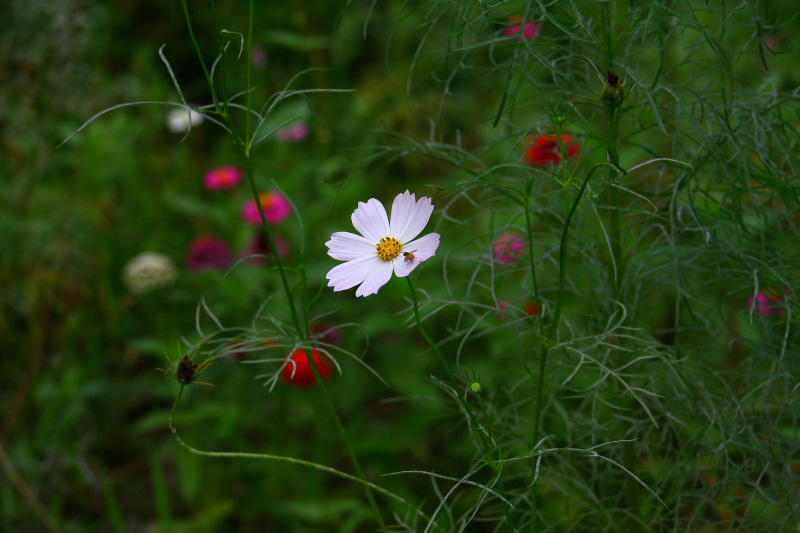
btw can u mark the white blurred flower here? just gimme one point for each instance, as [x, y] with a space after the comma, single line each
[178, 120]
[383, 246]
[149, 271]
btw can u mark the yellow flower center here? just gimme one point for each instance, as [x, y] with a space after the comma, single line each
[388, 248]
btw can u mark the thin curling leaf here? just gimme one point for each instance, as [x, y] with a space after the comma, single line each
[241, 40]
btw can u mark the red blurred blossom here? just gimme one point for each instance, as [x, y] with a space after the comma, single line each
[530, 31]
[501, 306]
[276, 208]
[258, 246]
[508, 247]
[208, 252]
[226, 177]
[531, 307]
[300, 373]
[294, 133]
[541, 150]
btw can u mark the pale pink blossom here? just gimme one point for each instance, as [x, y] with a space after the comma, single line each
[294, 133]
[383, 246]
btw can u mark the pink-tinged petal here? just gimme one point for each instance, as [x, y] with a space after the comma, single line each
[345, 246]
[348, 275]
[401, 213]
[423, 248]
[371, 221]
[379, 276]
[418, 218]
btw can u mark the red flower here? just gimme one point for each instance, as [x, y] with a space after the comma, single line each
[543, 149]
[532, 308]
[300, 373]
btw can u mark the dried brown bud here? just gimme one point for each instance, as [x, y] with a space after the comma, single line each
[613, 79]
[186, 370]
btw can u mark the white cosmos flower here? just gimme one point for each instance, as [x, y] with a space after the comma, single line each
[383, 246]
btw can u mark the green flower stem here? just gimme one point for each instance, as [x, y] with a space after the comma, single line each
[530, 249]
[270, 240]
[249, 79]
[244, 148]
[562, 254]
[616, 272]
[292, 460]
[454, 385]
[542, 364]
[353, 457]
[200, 55]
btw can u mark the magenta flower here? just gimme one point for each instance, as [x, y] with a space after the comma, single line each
[276, 208]
[208, 252]
[765, 304]
[530, 31]
[508, 247]
[294, 133]
[226, 177]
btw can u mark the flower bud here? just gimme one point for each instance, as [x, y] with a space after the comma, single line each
[614, 90]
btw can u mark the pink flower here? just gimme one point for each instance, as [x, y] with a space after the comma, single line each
[530, 31]
[508, 247]
[276, 208]
[294, 133]
[765, 303]
[208, 252]
[501, 307]
[226, 177]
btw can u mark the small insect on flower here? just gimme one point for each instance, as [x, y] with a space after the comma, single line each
[187, 370]
[409, 256]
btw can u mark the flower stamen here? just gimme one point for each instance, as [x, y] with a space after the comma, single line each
[388, 248]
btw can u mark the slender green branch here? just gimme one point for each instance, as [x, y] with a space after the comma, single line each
[562, 252]
[551, 334]
[200, 56]
[292, 460]
[271, 242]
[454, 384]
[616, 272]
[530, 250]
[222, 59]
[343, 434]
[249, 77]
